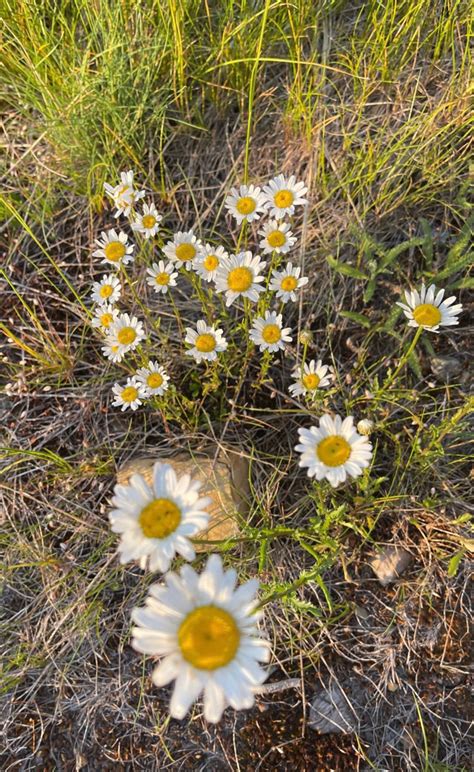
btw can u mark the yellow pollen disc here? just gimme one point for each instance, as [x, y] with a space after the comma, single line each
[163, 279]
[289, 283]
[211, 262]
[185, 252]
[114, 251]
[208, 638]
[106, 320]
[159, 518]
[240, 279]
[427, 315]
[333, 450]
[310, 381]
[154, 380]
[245, 205]
[276, 239]
[148, 221]
[271, 333]
[126, 335]
[205, 342]
[106, 291]
[129, 394]
[283, 198]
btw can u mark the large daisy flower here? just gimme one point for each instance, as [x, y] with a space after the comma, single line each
[287, 281]
[277, 237]
[333, 450]
[148, 221]
[161, 276]
[427, 309]
[129, 396]
[104, 316]
[206, 633]
[310, 378]
[124, 195]
[126, 332]
[114, 248]
[208, 260]
[283, 195]
[153, 378]
[268, 332]
[107, 290]
[155, 521]
[183, 249]
[246, 203]
[206, 342]
[240, 276]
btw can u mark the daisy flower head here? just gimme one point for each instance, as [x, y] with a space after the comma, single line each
[286, 282]
[183, 249]
[208, 260]
[284, 194]
[107, 290]
[428, 309]
[153, 378]
[104, 316]
[205, 631]
[161, 276]
[246, 203]
[268, 332]
[114, 248]
[240, 276]
[310, 378]
[206, 342]
[148, 222]
[124, 195]
[129, 396]
[125, 333]
[334, 450]
[277, 237]
[156, 520]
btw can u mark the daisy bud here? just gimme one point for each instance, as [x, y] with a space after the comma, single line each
[365, 426]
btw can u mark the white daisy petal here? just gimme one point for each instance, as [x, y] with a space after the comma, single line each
[267, 332]
[206, 343]
[428, 310]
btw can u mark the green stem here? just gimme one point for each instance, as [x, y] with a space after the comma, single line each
[406, 356]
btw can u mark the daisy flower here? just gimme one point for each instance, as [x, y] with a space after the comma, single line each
[240, 276]
[107, 290]
[277, 237]
[282, 195]
[310, 378]
[268, 333]
[183, 249]
[205, 632]
[427, 309]
[155, 521]
[161, 276]
[104, 315]
[148, 222]
[333, 450]
[208, 261]
[114, 248]
[206, 342]
[153, 378]
[129, 396]
[124, 195]
[126, 332]
[246, 203]
[287, 281]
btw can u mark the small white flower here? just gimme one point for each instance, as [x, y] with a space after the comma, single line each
[365, 426]
[183, 249]
[312, 377]
[114, 248]
[156, 520]
[148, 222]
[277, 237]
[208, 260]
[206, 342]
[104, 316]
[268, 333]
[240, 276]
[333, 450]
[283, 195]
[107, 290]
[124, 195]
[205, 632]
[427, 309]
[153, 378]
[287, 281]
[129, 396]
[246, 203]
[125, 334]
[161, 276]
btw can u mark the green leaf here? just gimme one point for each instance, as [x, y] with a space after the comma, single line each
[458, 265]
[346, 270]
[414, 364]
[355, 317]
[369, 290]
[454, 563]
[392, 254]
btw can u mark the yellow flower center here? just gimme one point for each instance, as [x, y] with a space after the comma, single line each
[114, 251]
[271, 333]
[283, 198]
[333, 450]
[289, 283]
[126, 335]
[185, 252]
[162, 278]
[106, 319]
[148, 221]
[211, 262]
[205, 342]
[276, 239]
[129, 394]
[310, 381]
[427, 315]
[159, 518]
[240, 279]
[245, 205]
[154, 380]
[106, 291]
[208, 638]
